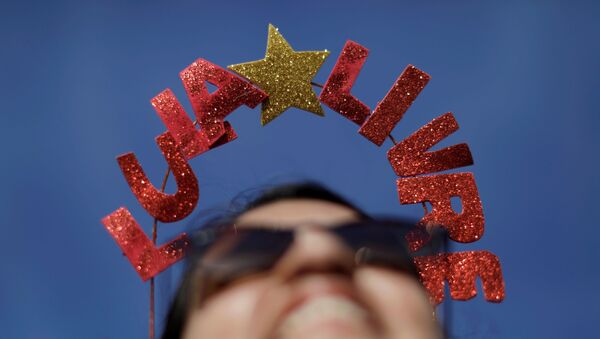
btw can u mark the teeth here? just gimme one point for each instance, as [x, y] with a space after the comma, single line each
[325, 308]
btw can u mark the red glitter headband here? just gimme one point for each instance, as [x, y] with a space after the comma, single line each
[283, 86]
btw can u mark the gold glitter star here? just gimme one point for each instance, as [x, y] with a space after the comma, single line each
[285, 75]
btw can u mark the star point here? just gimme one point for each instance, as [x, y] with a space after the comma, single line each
[285, 75]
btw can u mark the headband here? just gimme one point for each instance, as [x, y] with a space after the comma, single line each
[281, 80]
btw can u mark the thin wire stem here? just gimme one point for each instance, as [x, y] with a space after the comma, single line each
[163, 186]
[151, 320]
[321, 86]
[152, 283]
[155, 227]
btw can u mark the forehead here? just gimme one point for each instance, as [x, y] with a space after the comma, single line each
[291, 213]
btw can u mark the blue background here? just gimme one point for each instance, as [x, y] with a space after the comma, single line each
[76, 79]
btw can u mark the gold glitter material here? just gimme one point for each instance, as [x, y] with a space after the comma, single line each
[162, 206]
[466, 226]
[395, 103]
[461, 270]
[286, 77]
[147, 260]
[336, 91]
[409, 157]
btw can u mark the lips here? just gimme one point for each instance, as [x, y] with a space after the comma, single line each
[325, 313]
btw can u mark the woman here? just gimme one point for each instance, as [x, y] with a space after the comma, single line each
[301, 262]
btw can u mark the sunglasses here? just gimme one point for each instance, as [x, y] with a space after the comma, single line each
[225, 253]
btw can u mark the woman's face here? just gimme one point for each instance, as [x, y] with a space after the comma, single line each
[309, 294]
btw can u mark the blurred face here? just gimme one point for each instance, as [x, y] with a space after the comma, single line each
[314, 291]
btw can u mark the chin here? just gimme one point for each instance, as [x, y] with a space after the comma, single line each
[327, 317]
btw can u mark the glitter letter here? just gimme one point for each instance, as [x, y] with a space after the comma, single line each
[191, 142]
[393, 106]
[147, 259]
[212, 108]
[336, 92]
[409, 157]
[164, 207]
[460, 270]
[466, 226]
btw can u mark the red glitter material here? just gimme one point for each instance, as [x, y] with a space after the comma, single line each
[164, 207]
[191, 141]
[417, 238]
[466, 226]
[212, 108]
[147, 259]
[395, 103]
[336, 92]
[461, 270]
[409, 157]
[229, 136]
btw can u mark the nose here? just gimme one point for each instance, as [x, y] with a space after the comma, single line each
[315, 250]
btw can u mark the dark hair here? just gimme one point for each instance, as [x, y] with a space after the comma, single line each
[176, 317]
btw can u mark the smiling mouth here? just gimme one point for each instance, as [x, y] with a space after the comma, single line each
[336, 314]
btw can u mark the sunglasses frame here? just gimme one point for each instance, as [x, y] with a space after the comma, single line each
[387, 236]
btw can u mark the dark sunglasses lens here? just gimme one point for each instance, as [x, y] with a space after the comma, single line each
[241, 253]
[384, 243]
[232, 255]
